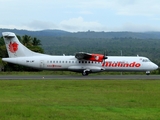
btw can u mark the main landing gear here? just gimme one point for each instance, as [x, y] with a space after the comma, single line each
[85, 72]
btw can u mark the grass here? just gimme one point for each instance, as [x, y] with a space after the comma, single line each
[79, 99]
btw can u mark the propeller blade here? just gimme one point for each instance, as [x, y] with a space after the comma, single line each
[105, 56]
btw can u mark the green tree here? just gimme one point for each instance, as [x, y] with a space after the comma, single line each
[36, 42]
[1, 41]
[36, 49]
[27, 40]
[32, 43]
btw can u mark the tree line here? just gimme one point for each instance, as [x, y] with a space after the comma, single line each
[114, 46]
[32, 43]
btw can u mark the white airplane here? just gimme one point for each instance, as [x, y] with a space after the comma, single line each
[82, 62]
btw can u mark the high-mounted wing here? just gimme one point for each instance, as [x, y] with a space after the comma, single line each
[89, 56]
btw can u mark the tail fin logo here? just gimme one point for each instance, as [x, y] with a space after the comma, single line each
[13, 47]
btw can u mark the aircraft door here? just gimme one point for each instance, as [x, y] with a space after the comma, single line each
[41, 63]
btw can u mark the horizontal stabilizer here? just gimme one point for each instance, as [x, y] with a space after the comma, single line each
[8, 35]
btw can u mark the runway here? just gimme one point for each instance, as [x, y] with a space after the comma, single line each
[79, 77]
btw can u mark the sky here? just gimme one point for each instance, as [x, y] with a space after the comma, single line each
[81, 15]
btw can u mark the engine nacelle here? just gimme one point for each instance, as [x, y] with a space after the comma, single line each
[91, 57]
[96, 57]
[95, 69]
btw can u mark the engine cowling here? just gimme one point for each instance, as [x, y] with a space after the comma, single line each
[96, 57]
[91, 57]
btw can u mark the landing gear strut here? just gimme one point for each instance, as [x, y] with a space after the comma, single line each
[85, 72]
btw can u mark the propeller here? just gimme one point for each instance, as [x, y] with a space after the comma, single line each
[105, 56]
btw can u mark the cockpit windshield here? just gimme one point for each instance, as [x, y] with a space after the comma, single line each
[145, 60]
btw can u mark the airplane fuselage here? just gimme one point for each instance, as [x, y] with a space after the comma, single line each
[113, 63]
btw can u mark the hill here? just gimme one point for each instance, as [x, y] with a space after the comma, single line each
[87, 34]
[36, 33]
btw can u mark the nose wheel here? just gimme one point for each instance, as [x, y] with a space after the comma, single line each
[147, 72]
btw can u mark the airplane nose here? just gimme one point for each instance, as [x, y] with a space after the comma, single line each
[155, 66]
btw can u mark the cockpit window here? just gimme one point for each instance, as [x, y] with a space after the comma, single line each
[145, 60]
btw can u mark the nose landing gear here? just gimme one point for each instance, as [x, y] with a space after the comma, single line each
[147, 72]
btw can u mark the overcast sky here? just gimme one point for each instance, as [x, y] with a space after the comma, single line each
[81, 15]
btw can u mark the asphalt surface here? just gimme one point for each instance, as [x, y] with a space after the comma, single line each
[80, 77]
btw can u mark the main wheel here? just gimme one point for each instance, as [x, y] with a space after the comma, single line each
[84, 73]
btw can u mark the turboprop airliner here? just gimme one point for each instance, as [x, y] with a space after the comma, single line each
[81, 62]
